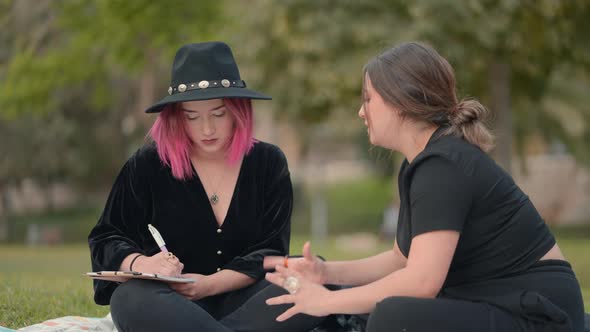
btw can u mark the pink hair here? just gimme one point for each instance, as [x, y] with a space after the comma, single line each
[170, 132]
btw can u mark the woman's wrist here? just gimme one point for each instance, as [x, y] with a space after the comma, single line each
[209, 286]
[330, 301]
[224, 281]
[134, 261]
[126, 263]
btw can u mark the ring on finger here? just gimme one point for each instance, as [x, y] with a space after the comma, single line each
[291, 284]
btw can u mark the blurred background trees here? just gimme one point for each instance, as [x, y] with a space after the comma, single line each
[75, 77]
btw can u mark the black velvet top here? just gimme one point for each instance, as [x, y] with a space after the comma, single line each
[453, 185]
[145, 192]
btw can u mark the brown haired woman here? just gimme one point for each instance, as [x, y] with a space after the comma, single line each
[471, 253]
[220, 199]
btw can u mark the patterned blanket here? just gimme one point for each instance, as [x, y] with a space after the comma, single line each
[72, 324]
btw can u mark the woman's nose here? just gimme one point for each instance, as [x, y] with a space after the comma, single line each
[362, 112]
[207, 128]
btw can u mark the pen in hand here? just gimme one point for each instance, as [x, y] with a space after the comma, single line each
[176, 265]
[159, 240]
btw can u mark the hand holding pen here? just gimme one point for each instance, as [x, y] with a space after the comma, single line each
[164, 262]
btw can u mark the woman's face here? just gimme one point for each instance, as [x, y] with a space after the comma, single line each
[210, 125]
[382, 120]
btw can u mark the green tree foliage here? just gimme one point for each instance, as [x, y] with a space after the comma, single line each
[310, 53]
[95, 65]
[75, 76]
[309, 56]
[94, 42]
[514, 54]
[511, 54]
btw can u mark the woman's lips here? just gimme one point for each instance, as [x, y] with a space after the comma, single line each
[209, 141]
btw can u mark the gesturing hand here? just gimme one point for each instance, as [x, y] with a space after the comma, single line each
[307, 297]
[162, 263]
[309, 266]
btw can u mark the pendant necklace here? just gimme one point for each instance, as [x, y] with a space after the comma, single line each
[214, 198]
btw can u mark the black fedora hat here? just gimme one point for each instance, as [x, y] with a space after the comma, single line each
[205, 71]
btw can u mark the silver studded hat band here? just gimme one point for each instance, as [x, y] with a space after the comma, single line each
[225, 83]
[204, 71]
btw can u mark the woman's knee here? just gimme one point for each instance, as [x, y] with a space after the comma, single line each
[133, 294]
[399, 304]
[127, 291]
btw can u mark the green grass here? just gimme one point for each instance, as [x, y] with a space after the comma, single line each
[40, 283]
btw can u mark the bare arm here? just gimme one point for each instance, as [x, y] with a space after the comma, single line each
[160, 263]
[366, 270]
[350, 273]
[226, 281]
[423, 276]
[217, 283]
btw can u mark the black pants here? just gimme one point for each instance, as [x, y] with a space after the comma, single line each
[546, 297]
[144, 305]
[409, 314]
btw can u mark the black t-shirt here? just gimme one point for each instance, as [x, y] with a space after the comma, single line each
[453, 185]
[145, 192]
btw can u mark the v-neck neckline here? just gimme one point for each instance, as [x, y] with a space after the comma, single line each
[206, 196]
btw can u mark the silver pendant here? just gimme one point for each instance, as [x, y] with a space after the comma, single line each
[214, 199]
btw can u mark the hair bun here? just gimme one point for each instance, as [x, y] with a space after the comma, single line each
[467, 112]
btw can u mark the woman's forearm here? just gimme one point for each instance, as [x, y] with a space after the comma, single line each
[226, 281]
[363, 271]
[363, 299]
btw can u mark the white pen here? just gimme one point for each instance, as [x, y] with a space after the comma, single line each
[158, 238]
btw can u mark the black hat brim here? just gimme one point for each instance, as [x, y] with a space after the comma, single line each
[206, 94]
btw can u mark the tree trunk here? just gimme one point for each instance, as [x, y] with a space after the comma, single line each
[147, 87]
[499, 85]
[317, 195]
[319, 214]
[4, 213]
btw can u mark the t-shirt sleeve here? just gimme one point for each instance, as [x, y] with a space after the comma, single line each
[440, 196]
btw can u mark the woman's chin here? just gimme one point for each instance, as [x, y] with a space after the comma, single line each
[210, 151]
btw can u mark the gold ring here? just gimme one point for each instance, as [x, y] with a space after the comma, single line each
[291, 284]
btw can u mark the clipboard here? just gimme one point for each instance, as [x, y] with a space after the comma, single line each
[121, 276]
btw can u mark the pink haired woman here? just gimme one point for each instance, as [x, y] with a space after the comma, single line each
[221, 200]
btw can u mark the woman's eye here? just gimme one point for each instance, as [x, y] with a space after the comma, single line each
[190, 118]
[220, 114]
